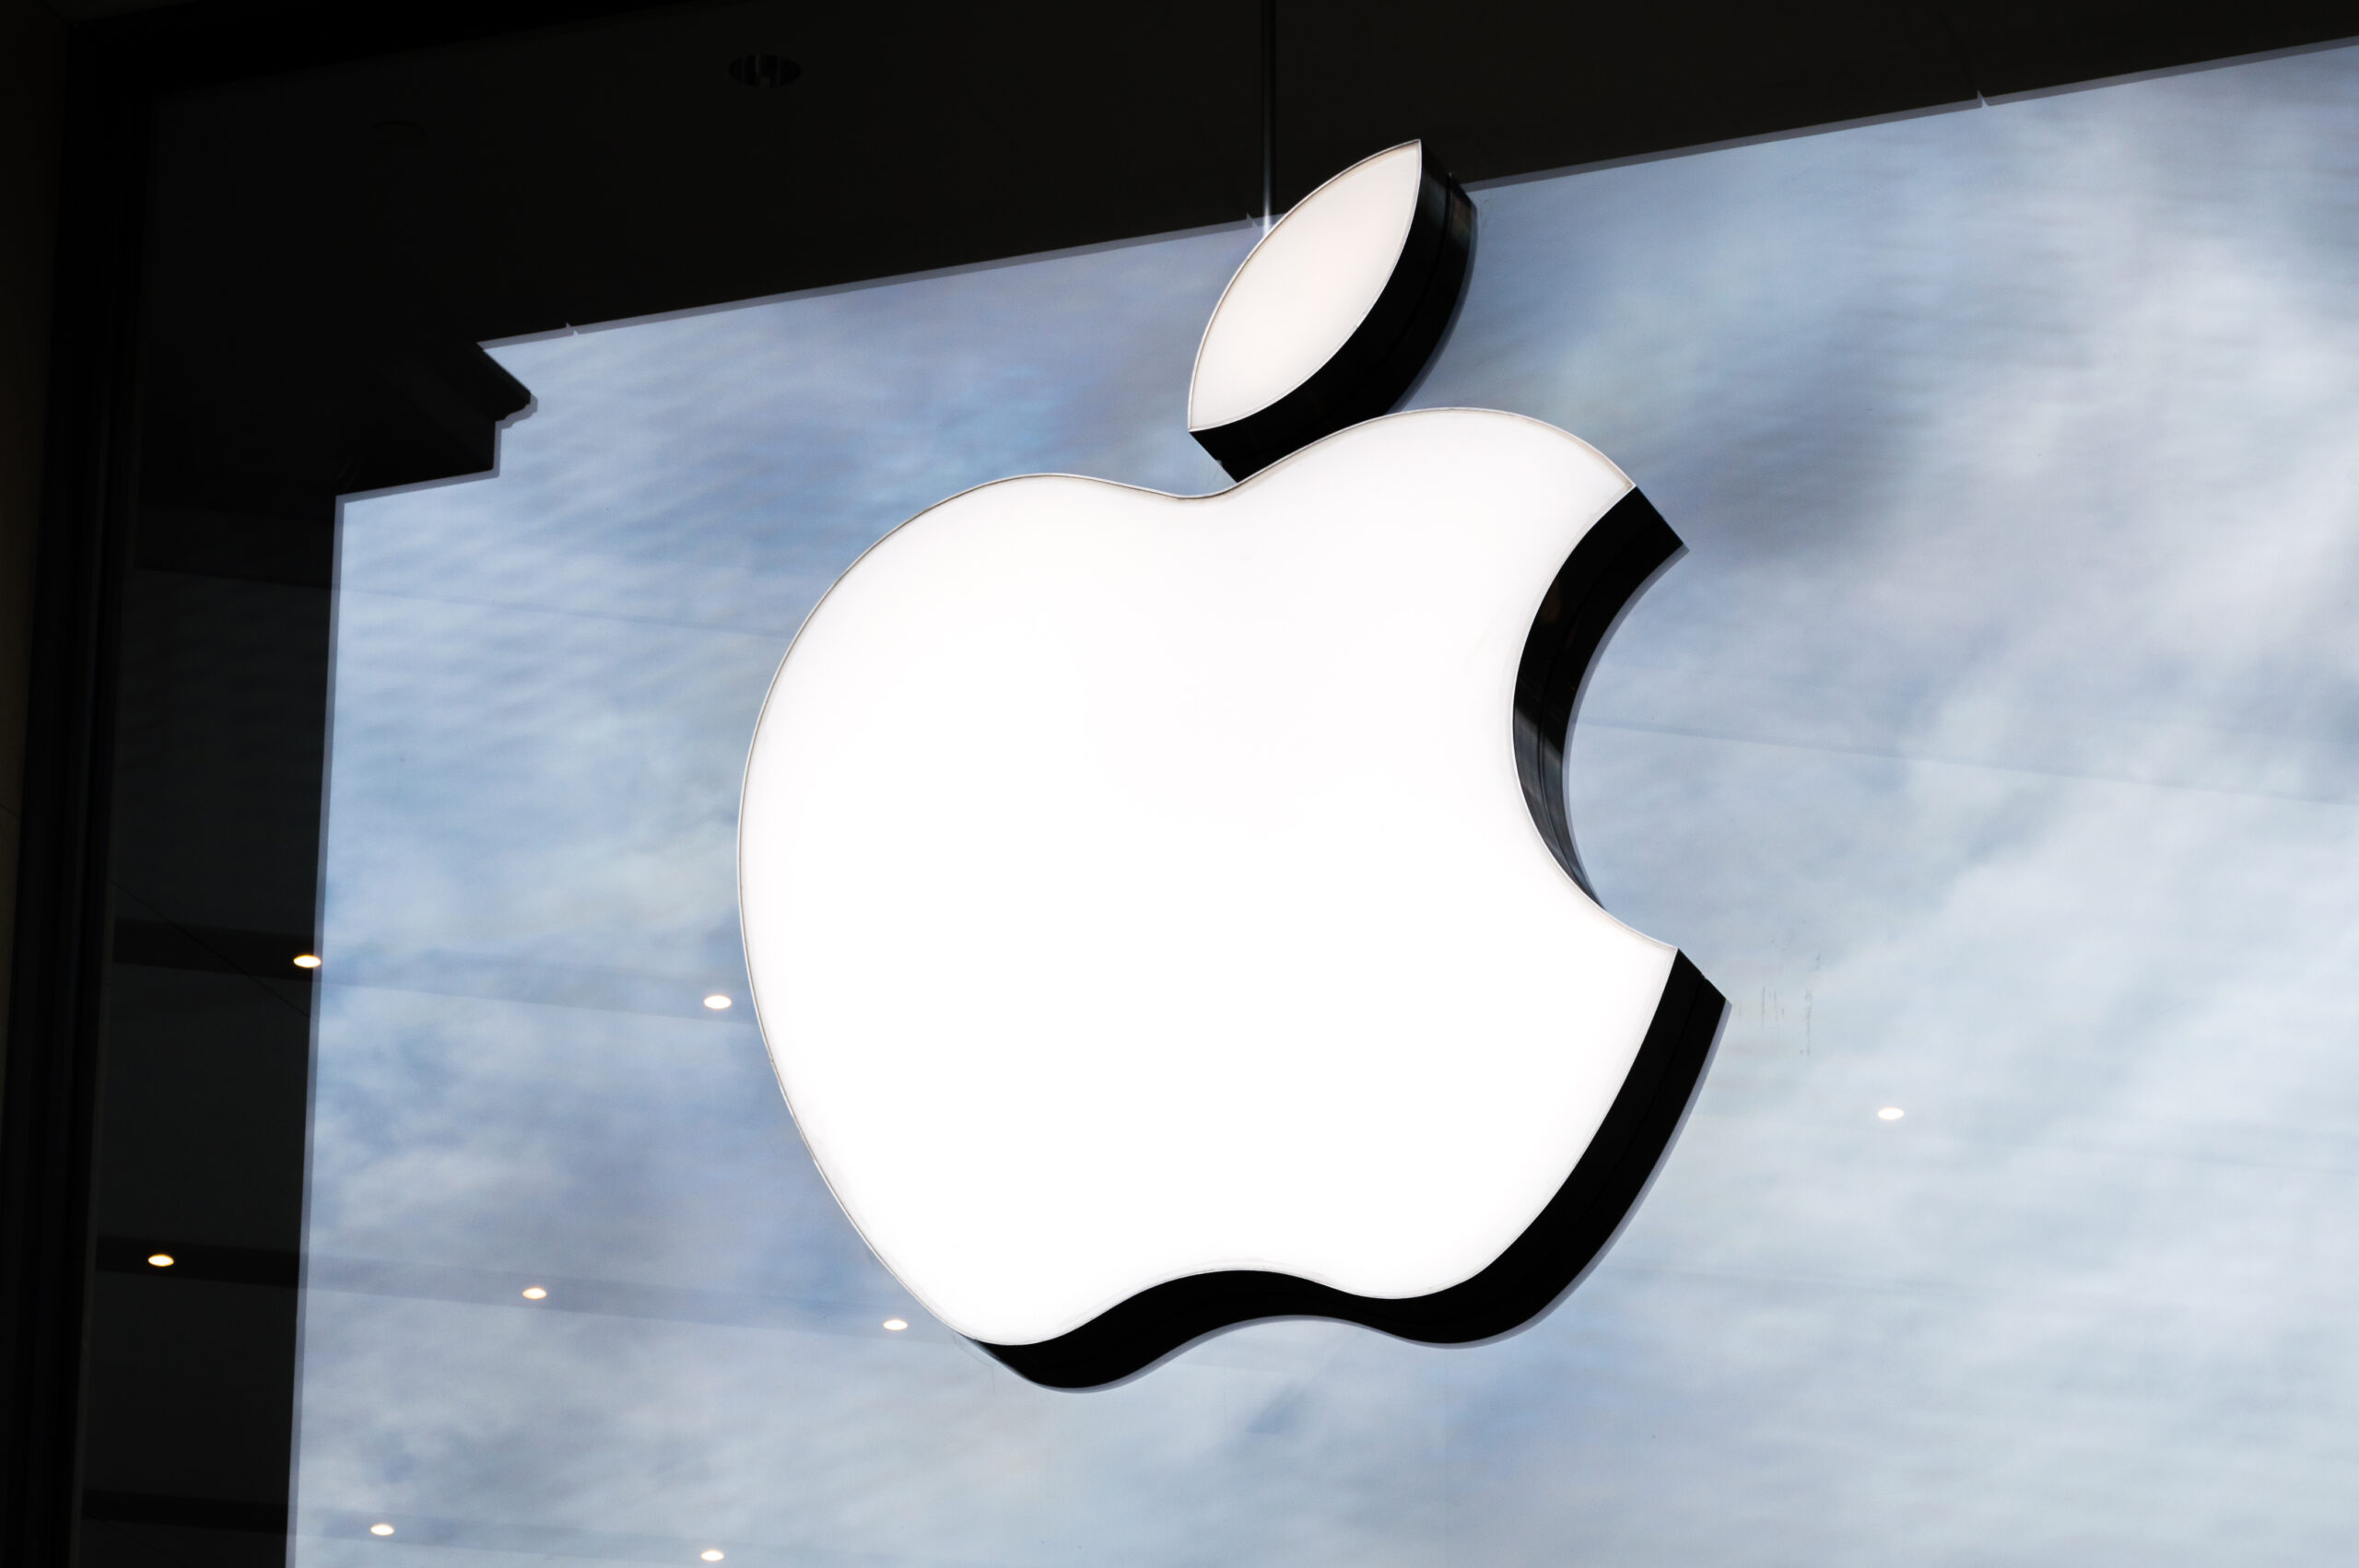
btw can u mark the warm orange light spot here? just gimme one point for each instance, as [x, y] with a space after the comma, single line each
[897, 1324]
[381, 1529]
[534, 1293]
[161, 1259]
[307, 961]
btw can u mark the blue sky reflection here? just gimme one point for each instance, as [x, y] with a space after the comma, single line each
[1995, 747]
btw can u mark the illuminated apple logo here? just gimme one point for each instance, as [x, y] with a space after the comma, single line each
[1162, 911]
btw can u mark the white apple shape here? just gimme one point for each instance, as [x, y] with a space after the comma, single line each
[1297, 301]
[1157, 919]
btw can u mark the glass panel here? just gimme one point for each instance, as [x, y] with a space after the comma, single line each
[1994, 748]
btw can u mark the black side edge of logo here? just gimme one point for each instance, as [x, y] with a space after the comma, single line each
[1622, 553]
[1613, 564]
[1384, 355]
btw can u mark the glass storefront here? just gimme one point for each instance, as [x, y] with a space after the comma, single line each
[1995, 748]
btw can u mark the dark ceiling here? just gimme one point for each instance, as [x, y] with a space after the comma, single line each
[328, 242]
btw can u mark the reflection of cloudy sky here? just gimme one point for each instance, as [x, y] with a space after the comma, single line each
[1995, 748]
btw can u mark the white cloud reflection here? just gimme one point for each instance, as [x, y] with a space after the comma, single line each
[1995, 748]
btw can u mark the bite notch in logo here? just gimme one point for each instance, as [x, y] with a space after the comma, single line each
[1163, 912]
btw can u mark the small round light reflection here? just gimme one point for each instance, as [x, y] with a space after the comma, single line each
[381, 1529]
[1890, 1112]
[718, 1002]
[307, 961]
[160, 1260]
[895, 1325]
[534, 1293]
[711, 1555]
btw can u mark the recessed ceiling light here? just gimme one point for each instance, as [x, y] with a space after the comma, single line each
[534, 1293]
[716, 1001]
[381, 1529]
[711, 1555]
[763, 70]
[1890, 1112]
[307, 961]
[897, 1324]
[160, 1260]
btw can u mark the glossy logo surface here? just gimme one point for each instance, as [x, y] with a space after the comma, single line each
[1163, 912]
